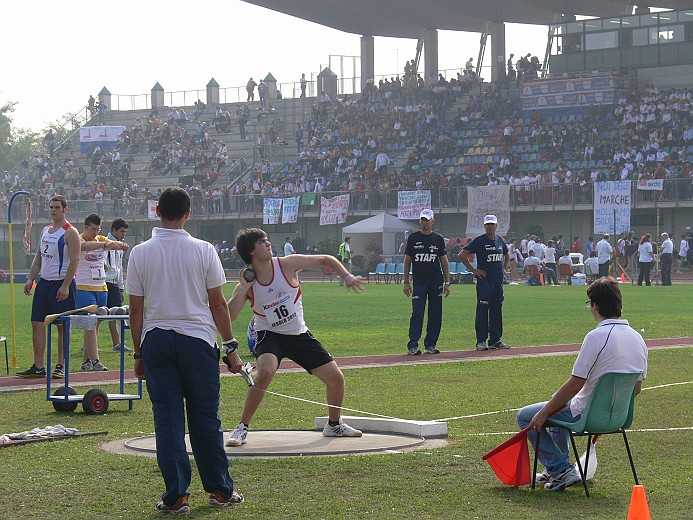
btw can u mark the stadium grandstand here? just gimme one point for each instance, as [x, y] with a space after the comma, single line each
[610, 101]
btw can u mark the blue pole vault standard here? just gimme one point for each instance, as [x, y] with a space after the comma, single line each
[9, 233]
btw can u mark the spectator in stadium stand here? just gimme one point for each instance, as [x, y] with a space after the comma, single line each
[262, 92]
[575, 247]
[49, 139]
[303, 82]
[250, 88]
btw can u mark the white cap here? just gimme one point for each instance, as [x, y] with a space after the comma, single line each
[490, 219]
[427, 214]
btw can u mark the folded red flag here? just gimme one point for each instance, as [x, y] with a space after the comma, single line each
[510, 460]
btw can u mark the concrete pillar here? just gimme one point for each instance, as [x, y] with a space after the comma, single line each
[430, 54]
[498, 59]
[212, 93]
[327, 82]
[157, 96]
[105, 98]
[271, 86]
[367, 59]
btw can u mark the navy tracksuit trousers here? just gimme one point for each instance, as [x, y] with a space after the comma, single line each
[489, 310]
[420, 294]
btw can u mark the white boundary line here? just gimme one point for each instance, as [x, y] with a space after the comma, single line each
[670, 384]
[445, 419]
[516, 409]
[636, 430]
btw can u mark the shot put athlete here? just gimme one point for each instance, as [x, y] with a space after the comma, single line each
[275, 297]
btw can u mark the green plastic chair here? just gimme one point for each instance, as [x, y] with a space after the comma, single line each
[610, 410]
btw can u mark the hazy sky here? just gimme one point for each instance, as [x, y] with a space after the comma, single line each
[54, 54]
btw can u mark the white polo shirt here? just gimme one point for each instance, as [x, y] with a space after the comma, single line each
[604, 251]
[173, 271]
[613, 346]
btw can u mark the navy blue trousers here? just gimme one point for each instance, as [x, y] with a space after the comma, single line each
[183, 375]
[420, 294]
[489, 310]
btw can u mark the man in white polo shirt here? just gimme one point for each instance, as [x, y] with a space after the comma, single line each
[613, 346]
[176, 307]
[604, 252]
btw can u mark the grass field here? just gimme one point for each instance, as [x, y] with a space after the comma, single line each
[377, 320]
[76, 479]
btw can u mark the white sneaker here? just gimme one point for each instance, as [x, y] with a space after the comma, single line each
[563, 480]
[87, 366]
[98, 366]
[340, 430]
[116, 348]
[238, 435]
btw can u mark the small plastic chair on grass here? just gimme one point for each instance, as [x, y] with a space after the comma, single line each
[390, 272]
[379, 271]
[564, 270]
[609, 410]
[327, 272]
[399, 273]
[534, 272]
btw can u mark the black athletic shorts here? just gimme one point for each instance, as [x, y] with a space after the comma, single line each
[304, 349]
[115, 297]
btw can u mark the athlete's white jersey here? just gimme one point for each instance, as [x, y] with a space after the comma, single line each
[91, 273]
[278, 306]
[54, 255]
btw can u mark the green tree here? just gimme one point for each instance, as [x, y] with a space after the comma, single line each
[15, 143]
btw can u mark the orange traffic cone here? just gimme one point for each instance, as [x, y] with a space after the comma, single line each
[623, 278]
[638, 509]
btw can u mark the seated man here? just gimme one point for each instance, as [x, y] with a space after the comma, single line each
[613, 346]
[567, 260]
[533, 260]
[593, 263]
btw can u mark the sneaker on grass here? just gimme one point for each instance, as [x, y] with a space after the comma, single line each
[216, 499]
[98, 366]
[116, 348]
[414, 351]
[340, 430]
[500, 345]
[238, 435]
[431, 350]
[563, 480]
[59, 371]
[181, 507]
[32, 371]
[481, 345]
[543, 477]
[87, 366]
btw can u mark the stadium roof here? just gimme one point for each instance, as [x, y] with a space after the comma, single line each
[407, 18]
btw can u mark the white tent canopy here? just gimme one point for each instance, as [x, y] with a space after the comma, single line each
[382, 229]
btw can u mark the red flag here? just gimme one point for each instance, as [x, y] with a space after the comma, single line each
[510, 460]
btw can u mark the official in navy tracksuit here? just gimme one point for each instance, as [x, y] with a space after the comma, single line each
[425, 253]
[492, 259]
